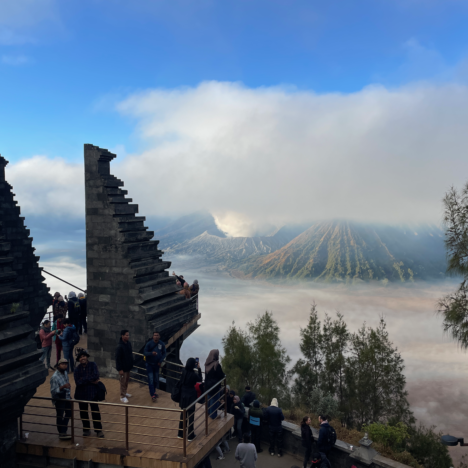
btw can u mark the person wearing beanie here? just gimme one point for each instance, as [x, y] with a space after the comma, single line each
[194, 288]
[74, 310]
[274, 417]
[255, 420]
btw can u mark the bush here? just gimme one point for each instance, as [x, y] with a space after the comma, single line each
[426, 448]
[389, 436]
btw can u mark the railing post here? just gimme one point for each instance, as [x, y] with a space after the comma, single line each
[126, 427]
[206, 414]
[225, 397]
[184, 417]
[72, 422]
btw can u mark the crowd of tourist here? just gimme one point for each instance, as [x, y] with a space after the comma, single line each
[187, 291]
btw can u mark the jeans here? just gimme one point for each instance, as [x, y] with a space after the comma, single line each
[307, 455]
[226, 446]
[68, 355]
[276, 437]
[63, 411]
[124, 378]
[190, 418]
[238, 426]
[95, 416]
[213, 405]
[153, 377]
[83, 325]
[46, 352]
[325, 461]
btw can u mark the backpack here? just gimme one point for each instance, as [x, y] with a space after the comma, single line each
[331, 437]
[75, 338]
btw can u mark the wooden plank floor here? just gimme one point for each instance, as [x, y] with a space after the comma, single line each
[153, 439]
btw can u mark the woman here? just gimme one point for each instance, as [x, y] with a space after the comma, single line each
[58, 325]
[86, 378]
[54, 302]
[307, 439]
[188, 395]
[213, 374]
[185, 291]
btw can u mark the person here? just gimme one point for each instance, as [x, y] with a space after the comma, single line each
[185, 291]
[83, 313]
[326, 439]
[307, 439]
[195, 288]
[74, 310]
[180, 278]
[230, 401]
[54, 303]
[239, 412]
[188, 395]
[46, 340]
[223, 443]
[155, 353]
[56, 326]
[87, 378]
[60, 391]
[68, 338]
[246, 453]
[124, 363]
[274, 416]
[255, 420]
[213, 374]
[248, 397]
[60, 307]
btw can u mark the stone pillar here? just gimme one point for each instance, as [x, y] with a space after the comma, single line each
[365, 453]
[24, 299]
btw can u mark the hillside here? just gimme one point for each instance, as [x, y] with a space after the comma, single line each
[347, 251]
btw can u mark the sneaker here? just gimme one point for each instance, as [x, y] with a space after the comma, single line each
[128, 395]
[154, 398]
[124, 400]
[180, 437]
[64, 436]
[272, 454]
[86, 433]
[190, 440]
[156, 395]
[279, 455]
[100, 434]
[220, 458]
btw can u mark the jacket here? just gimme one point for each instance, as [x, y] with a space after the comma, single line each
[322, 442]
[57, 326]
[188, 381]
[238, 413]
[46, 337]
[230, 403]
[307, 438]
[74, 308]
[159, 348]
[214, 376]
[83, 307]
[84, 375]
[257, 415]
[67, 335]
[274, 416]
[248, 398]
[124, 356]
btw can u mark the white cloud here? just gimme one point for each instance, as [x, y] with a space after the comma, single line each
[15, 60]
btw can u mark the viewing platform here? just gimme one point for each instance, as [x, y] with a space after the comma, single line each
[140, 434]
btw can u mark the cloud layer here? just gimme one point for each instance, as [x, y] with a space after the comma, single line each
[277, 155]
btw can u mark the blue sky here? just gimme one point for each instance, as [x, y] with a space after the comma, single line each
[63, 64]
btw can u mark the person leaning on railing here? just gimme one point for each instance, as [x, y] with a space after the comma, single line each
[188, 395]
[60, 391]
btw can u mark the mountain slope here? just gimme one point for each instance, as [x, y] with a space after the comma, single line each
[346, 251]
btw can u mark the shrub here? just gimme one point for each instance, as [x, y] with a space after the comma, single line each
[426, 448]
[389, 436]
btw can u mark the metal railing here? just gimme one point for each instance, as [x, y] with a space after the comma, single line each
[128, 424]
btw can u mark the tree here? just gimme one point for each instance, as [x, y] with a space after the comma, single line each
[237, 360]
[454, 307]
[308, 369]
[375, 378]
[271, 359]
[324, 403]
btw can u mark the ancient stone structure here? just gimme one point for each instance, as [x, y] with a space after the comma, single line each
[128, 285]
[24, 299]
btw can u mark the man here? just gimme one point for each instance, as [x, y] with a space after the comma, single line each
[155, 353]
[195, 288]
[60, 390]
[239, 412]
[69, 339]
[74, 310]
[86, 378]
[46, 340]
[248, 397]
[274, 416]
[246, 453]
[124, 363]
[326, 440]
[255, 420]
[83, 313]
[230, 401]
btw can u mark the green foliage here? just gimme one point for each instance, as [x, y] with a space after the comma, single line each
[14, 307]
[393, 437]
[320, 402]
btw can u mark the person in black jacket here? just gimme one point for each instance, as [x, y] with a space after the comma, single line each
[213, 374]
[324, 443]
[248, 397]
[274, 416]
[230, 401]
[239, 412]
[124, 363]
[188, 395]
[307, 439]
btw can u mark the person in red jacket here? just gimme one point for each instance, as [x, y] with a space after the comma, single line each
[46, 339]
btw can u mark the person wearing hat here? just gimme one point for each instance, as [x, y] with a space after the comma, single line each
[255, 420]
[60, 391]
[86, 378]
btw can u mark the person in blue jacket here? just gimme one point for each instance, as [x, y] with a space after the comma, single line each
[155, 353]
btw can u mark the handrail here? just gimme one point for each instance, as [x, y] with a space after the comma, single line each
[206, 393]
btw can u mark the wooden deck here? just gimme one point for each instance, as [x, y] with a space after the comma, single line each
[152, 441]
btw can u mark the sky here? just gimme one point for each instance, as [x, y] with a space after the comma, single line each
[259, 112]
